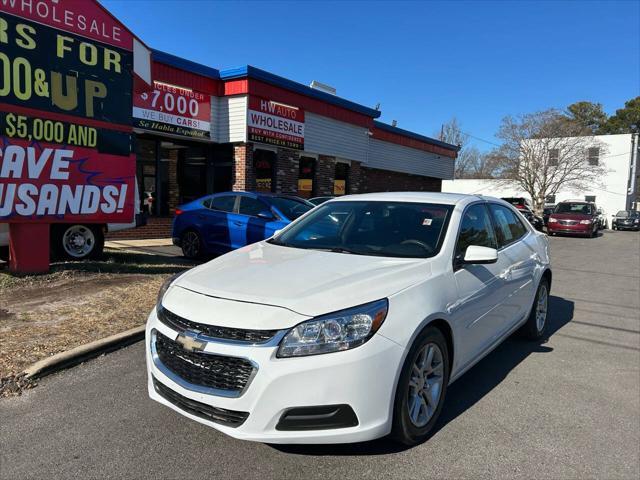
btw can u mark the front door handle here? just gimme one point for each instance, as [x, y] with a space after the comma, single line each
[237, 224]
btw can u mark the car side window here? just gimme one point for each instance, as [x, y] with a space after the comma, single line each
[475, 229]
[206, 203]
[509, 228]
[224, 203]
[252, 206]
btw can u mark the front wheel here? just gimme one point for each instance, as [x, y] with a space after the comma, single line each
[536, 324]
[421, 388]
[191, 244]
[77, 242]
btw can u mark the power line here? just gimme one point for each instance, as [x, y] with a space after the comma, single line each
[481, 139]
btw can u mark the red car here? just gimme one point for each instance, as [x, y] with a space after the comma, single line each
[574, 218]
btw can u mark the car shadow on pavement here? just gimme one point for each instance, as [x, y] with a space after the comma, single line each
[462, 394]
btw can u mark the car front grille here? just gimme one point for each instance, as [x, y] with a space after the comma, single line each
[568, 222]
[230, 418]
[179, 323]
[229, 374]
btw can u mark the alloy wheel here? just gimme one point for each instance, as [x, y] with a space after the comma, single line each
[425, 384]
[191, 244]
[541, 307]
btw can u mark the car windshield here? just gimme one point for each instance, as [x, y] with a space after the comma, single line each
[622, 214]
[567, 207]
[389, 229]
[290, 207]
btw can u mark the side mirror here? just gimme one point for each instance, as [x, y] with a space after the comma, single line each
[266, 215]
[476, 254]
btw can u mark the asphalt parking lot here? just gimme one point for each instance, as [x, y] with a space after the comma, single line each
[568, 407]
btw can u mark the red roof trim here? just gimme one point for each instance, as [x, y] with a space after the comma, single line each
[411, 143]
[182, 78]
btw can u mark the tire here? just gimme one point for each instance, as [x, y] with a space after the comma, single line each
[77, 241]
[536, 327]
[412, 429]
[191, 244]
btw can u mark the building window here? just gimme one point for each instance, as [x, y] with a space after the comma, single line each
[554, 155]
[264, 162]
[340, 182]
[593, 155]
[550, 199]
[590, 198]
[306, 174]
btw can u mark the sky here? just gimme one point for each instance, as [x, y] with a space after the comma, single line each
[424, 62]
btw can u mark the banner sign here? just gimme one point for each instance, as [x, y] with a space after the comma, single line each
[275, 123]
[172, 109]
[65, 114]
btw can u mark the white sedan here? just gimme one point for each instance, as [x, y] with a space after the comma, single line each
[349, 324]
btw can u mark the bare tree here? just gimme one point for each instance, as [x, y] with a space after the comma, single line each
[542, 153]
[470, 162]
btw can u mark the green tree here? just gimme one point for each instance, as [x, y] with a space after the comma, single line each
[625, 120]
[589, 115]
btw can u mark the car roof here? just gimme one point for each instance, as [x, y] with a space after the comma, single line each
[418, 197]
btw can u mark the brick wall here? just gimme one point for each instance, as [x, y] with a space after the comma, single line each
[287, 170]
[243, 174]
[325, 172]
[155, 228]
[355, 178]
[375, 180]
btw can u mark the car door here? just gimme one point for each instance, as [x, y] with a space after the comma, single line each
[481, 288]
[259, 220]
[519, 259]
[215, 222]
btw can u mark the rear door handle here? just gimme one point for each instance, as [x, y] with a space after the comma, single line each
[238, 224]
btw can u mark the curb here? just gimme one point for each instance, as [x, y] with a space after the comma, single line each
[84, 352]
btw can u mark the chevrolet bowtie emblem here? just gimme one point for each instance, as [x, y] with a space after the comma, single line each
[190, 342]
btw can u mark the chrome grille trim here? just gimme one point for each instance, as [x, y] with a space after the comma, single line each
[194, 387]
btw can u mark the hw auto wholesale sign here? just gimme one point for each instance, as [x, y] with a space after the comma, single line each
[275, 123]
[65, 113]
[172, 109]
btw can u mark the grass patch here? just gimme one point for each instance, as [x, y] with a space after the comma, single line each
[75, 303]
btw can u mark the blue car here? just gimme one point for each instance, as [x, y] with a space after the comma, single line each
[225, 221]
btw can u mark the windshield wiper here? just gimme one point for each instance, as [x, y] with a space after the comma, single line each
[337, 250]
[280, 243]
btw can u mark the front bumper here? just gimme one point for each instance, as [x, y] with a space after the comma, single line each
[578, 229]
[363, 378]
[626, 226]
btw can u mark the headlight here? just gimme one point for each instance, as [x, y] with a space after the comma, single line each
[585, 222]
[552, 220]
[165, 286]
[636, 221]
[334, 332]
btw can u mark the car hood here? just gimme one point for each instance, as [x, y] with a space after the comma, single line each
[308, 282]
[571, 216]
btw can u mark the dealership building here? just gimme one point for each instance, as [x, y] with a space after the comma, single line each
[199, 130]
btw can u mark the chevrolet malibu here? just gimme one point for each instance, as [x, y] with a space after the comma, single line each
[349, 324]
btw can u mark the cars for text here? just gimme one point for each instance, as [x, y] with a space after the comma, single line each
[225, 221]
[350, 323]
[574, 218]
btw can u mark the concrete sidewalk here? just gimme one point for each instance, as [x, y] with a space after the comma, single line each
[155, 246]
